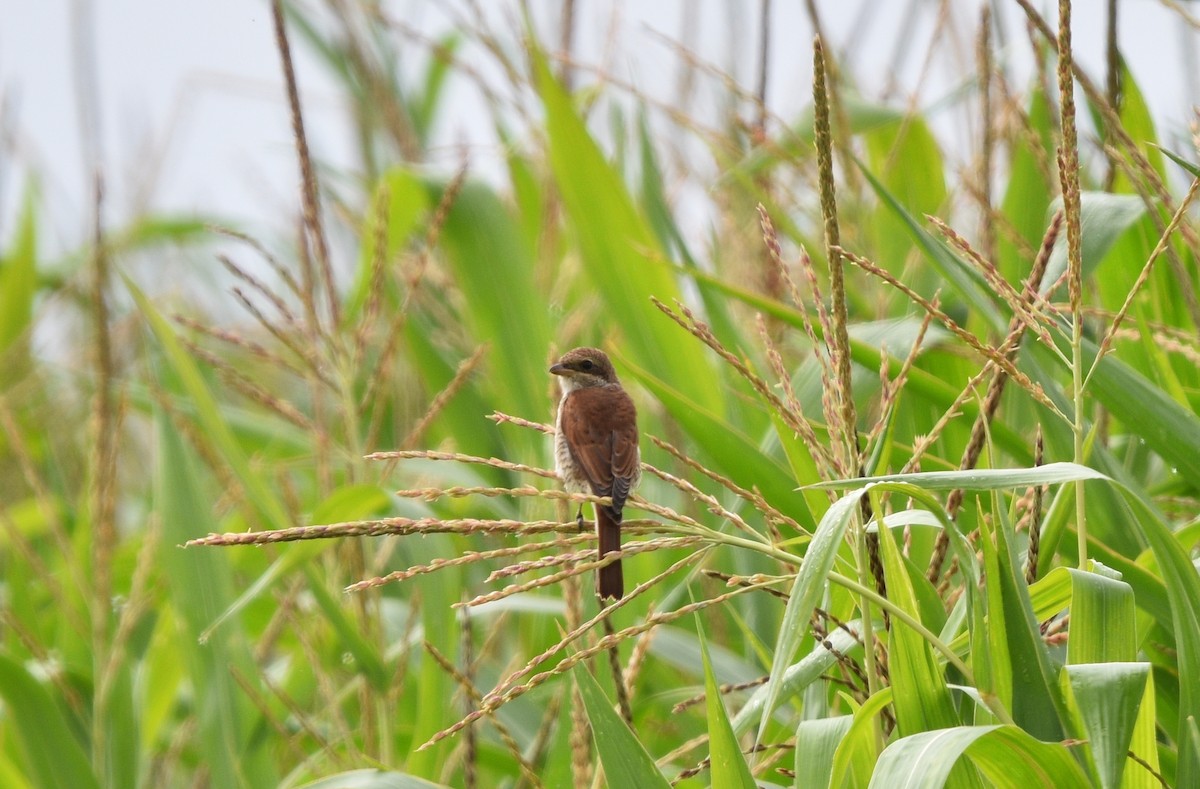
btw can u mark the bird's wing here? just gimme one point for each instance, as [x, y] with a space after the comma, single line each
[626, 461]
[600, 424]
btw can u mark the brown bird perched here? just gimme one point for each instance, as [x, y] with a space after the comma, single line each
[596, 447]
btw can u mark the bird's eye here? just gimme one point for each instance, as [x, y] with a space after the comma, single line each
[587, 364]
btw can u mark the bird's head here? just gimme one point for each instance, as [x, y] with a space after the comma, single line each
[584, 367]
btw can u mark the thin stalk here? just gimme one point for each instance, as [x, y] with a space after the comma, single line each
[865, 580]
[1069, 178]
[900, 615]
[839, 345]
[870, 597]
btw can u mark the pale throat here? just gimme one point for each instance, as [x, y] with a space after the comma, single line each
[571, 383]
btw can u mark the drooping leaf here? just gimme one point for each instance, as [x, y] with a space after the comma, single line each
[1108, 697]
[806, 592]
[1005, 754]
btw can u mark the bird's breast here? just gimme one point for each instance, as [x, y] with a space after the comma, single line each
[573, 478]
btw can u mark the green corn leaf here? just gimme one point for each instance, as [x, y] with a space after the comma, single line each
[728, 765]
[817, 742]
[18, 285]
[980, 479]
[55, 757]
[1005, 755]
[921, 699]
[806, 592]
[1108, 697]
[1103, 629]
[618, 250]
[625, 760]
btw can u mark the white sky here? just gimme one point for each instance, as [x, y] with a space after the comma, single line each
[193, 118]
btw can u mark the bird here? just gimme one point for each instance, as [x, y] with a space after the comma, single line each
[596, 448]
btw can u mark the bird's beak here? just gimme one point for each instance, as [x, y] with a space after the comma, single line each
[559, 369]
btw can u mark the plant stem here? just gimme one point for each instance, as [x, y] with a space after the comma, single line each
[1068, 171]
[863, 560]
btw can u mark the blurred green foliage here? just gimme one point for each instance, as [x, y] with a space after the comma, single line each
[127, 660]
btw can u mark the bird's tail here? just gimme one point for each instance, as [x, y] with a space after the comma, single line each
[608, 529]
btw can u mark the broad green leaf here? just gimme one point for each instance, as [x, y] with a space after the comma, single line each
[424, 108]
[806, 593]
[11, 774]
[661, 220]
[1108, 697]
[1183, 591]
[1105, 217]
[920, 697]
[1005, 754]
[1182, 162]
[803, 465]
[209, 415]
[429, 711]
[1051, 593]
[980, 479]
[1148, 413]
[906, 158]
[1138, 123]
[18, 285]
[1140, 772]
[969, 283]
[625, 760]
[1170, 429]
[352, 503]
[528, 193]
[1103, 629]
[162, 674]
[370, 779]
[1030, 187]
[727, 763]
[56, 758]
[407, 202]
[1038, 706]
[1149, 592]
[122, 756]
[732, 452]
[146, 231]
[991, 656]
[348, 503]
[493, 269]
[797, 140]
[462, 418]
[618, 250]
[797, 677]
[201, 586]
[349, 632]
[857, 755]
[680, 649]
[817, 742]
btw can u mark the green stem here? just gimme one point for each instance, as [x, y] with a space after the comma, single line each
[863, 560]
[900, 615]
[1069, 178]
[868, 594]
